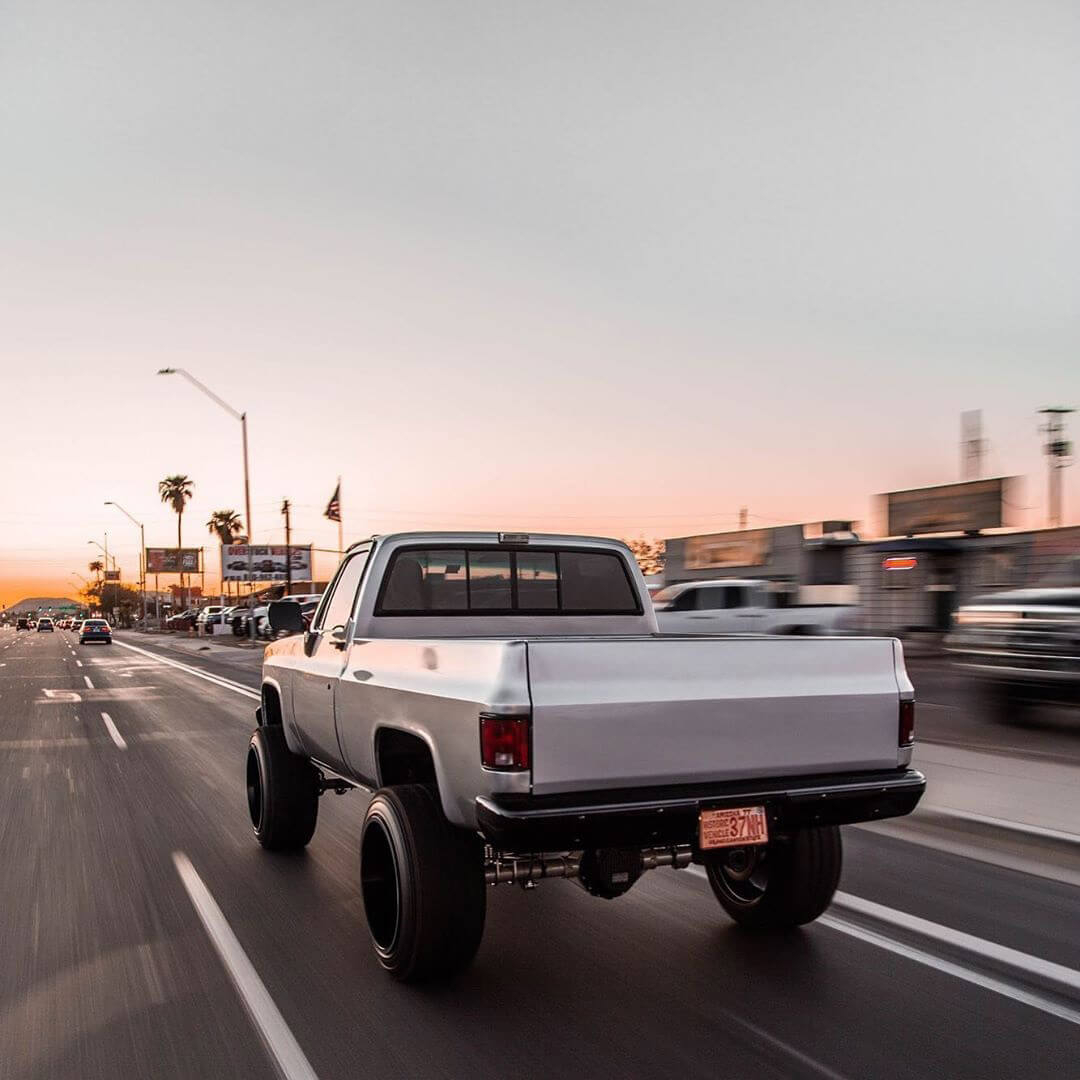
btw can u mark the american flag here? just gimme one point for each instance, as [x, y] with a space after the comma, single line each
[333, 507]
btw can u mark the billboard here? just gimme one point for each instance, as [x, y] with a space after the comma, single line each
[267, 562]
[112, 575]
[966, 507]
[749, 547]
[172, 560]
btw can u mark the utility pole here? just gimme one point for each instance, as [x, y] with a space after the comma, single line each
[972, 445]
[1058, 452]
[742, 517]
[285, 509]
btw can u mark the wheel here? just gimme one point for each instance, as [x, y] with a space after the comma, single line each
[282, 792]
[779, 885]
[422, 881]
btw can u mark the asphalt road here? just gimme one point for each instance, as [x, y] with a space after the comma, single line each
[109, 970]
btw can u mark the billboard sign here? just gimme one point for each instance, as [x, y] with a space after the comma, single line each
[172, 560]
[968, 507]
[112, 575]
[749, 547]
[267, 562]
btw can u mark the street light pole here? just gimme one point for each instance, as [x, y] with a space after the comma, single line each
[142, 555]
[242, 417]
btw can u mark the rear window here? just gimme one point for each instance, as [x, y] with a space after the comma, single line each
[95, 624]
[459, 581]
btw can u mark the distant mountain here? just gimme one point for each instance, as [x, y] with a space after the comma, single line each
[32, 604]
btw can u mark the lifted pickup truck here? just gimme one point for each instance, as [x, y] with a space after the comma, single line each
[509, 700]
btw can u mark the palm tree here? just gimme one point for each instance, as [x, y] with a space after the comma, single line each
[96, 567]
[226, 526]
[176, 490]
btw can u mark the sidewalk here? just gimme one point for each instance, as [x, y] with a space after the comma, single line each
[1022, 791]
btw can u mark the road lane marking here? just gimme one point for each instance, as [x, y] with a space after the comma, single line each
[949, 967]
[1001, 823]
[1063, 979]
[217, 680]
[89, 684]
[112, 729]
[78, 663]
[280, 1041]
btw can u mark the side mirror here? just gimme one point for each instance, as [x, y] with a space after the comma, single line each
[339, 637]
[285, 615]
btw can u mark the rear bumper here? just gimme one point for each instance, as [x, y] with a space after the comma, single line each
[661, 816]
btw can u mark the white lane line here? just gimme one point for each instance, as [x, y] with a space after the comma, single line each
[89, 684]
[217, 680]
[1061, 977]
[987, 982]
[279, 1040]
[78, 663]
[116, 736]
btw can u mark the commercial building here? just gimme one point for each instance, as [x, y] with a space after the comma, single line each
[932, 550]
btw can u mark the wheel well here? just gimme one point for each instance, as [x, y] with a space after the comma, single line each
[271, 707]
[402, 758]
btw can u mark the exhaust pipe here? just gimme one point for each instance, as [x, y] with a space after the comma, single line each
[517, 870]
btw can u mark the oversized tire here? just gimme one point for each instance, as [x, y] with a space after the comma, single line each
[776, 886]
[282, 791]
[423, 887]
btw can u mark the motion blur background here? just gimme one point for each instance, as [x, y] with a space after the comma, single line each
[605, 267]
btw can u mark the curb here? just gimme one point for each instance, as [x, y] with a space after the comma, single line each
[947, 816]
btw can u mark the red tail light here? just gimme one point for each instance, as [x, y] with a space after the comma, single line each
[907, 723]
[504, 742]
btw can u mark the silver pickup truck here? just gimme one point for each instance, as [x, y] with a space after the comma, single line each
[518, 716]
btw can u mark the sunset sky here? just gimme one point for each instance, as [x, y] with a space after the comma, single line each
[592, 267]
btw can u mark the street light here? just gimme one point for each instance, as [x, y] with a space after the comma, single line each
[242, 417]
[142, 554]
[106, 550]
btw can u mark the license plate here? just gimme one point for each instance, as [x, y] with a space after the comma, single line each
[733, 828]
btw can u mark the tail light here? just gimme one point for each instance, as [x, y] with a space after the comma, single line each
[907, 722]
[504, 742]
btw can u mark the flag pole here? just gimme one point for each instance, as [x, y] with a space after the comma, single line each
[340, 542]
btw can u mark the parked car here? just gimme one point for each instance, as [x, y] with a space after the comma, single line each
[45, 625]
[95, 630]
[745, 606]
[520, 718]
[208, 616]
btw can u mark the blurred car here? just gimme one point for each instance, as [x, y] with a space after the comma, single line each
[182, 620]
[22, 624]
[1022, 646]
[45, 625]
[207, 616]
[95, 630]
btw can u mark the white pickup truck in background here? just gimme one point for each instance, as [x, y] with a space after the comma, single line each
[753, 606]
[518, 716]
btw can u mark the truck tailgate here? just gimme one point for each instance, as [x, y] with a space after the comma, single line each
[612, 713]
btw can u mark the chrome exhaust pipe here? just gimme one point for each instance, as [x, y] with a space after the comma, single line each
[520, 870]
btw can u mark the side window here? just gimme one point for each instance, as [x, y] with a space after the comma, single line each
[338, 608]
[595, 581]
[687, 600]
[736, 597]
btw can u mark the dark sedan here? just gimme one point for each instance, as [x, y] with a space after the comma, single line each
[95, 630]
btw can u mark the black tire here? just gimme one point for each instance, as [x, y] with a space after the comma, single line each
[779, 885]
[422, 881]
[282, 792]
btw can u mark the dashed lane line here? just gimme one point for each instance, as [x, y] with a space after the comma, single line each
[113, 732]
[89, 684]
[280, 1041]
